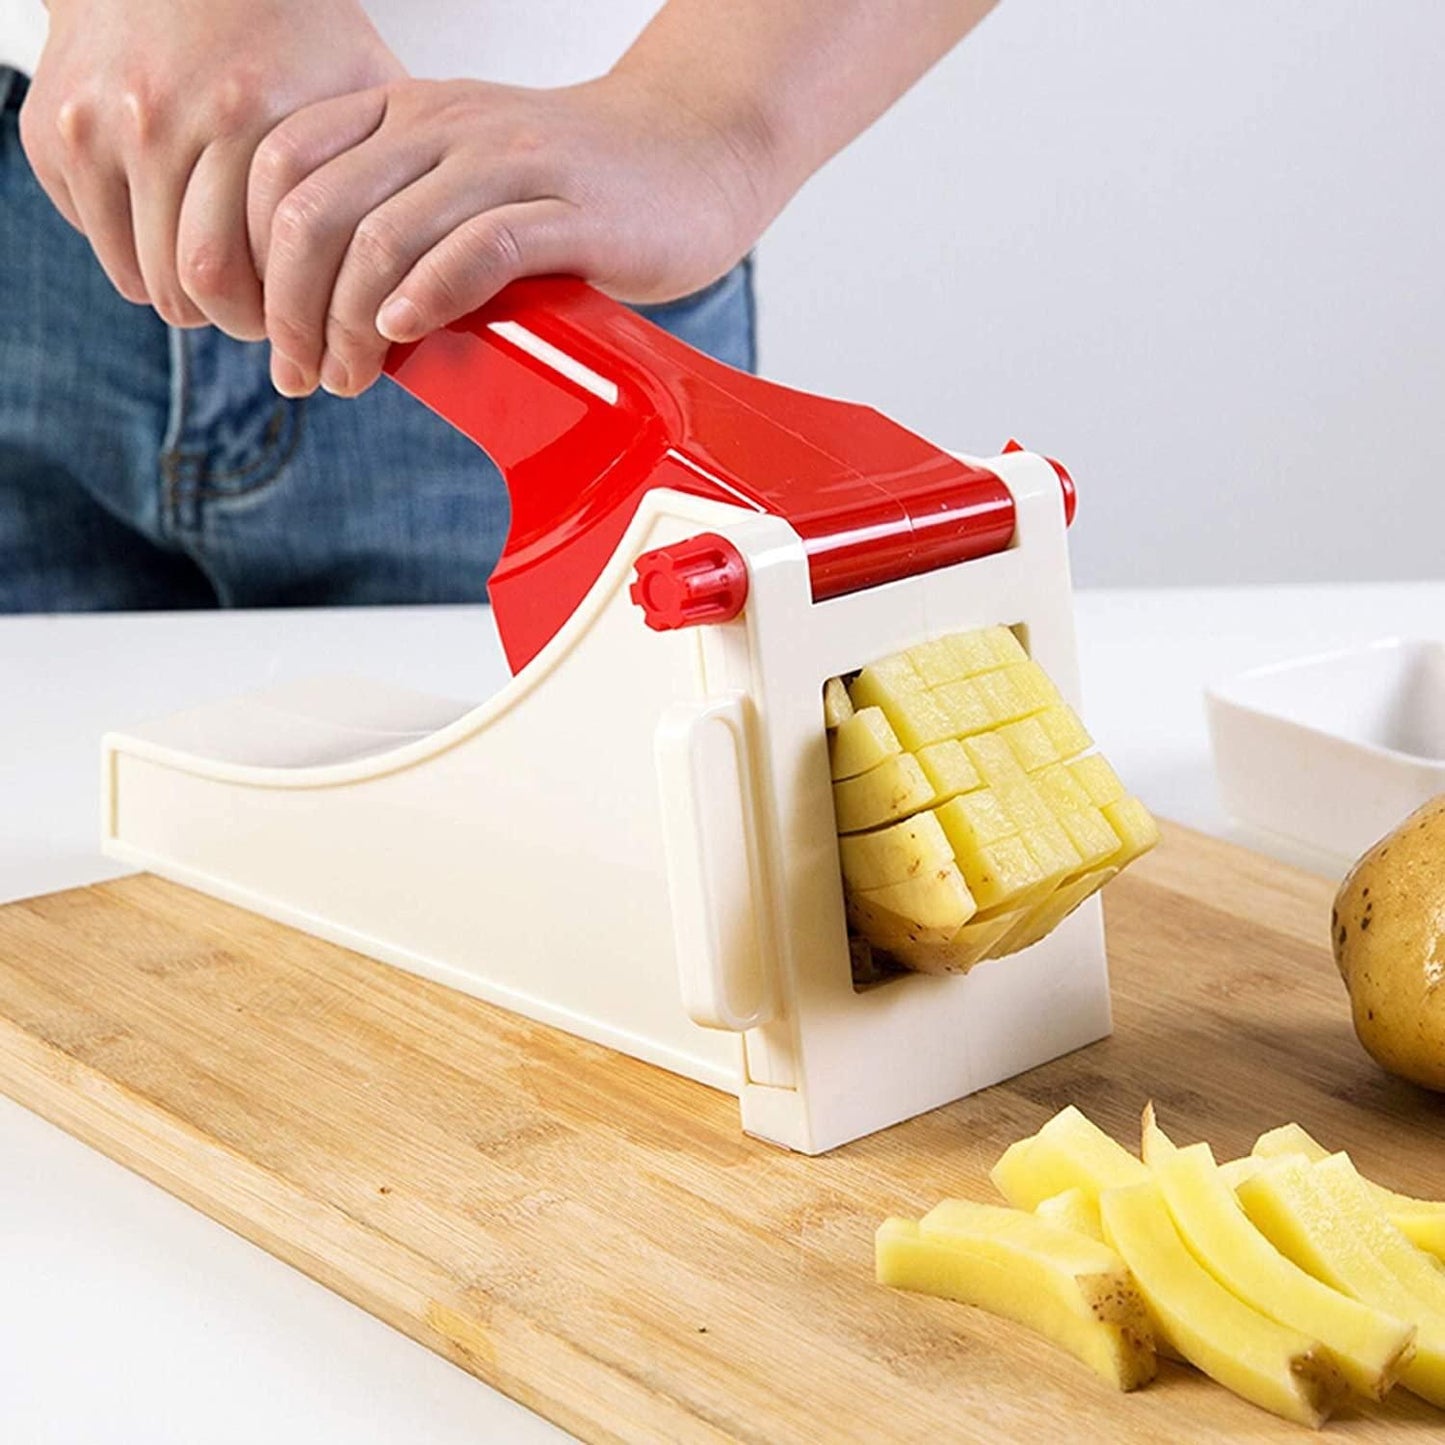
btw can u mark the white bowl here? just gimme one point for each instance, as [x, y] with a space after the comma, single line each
[1332, 751]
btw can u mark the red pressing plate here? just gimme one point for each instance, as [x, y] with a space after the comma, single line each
[585, 406]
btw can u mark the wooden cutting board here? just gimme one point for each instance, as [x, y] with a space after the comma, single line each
[596, 1237]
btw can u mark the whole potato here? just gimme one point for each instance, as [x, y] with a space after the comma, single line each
[1388, 930]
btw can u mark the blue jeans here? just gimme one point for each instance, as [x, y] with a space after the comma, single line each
[142, 467]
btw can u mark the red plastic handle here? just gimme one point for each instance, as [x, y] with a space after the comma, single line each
[584, 406]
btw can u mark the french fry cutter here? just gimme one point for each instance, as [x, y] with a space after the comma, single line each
[634, 839]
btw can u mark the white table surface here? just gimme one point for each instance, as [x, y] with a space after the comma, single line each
[126, 1316]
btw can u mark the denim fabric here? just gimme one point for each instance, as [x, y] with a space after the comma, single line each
[142, 467]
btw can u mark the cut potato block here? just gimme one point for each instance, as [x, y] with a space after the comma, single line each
[970, 728]
[994, 760]
[1326, 1221]
[861, 742]
[930, 908]
[1004, 696]
[974, 820]
[1421, 1221]
[1004, 875]
[1280, 1369]
[895, 686]
[947, 767]
[1064, 731]
[1098, 779]
[1070, 1151]
[1137, 830]
[1030, 744]
[1369, 1347]
[1071, 1289]
[964, 706]
[892, 855]
[895, 789]
[1036, 685]
[837, 705]
[1072, 1209]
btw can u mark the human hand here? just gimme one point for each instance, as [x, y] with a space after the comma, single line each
[143, 118]
[381, 216]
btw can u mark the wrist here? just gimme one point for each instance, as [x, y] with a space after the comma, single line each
[743, 132]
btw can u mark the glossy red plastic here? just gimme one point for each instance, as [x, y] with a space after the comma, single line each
[703, 579]
[585, 406]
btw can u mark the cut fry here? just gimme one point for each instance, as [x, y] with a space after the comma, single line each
[837, 707]
[1277, 1368]
[1326, 1221]
[1073, 1290]
[1421, 1221]
[1369, 1347]
[1070, 1151]
[1073, 1209]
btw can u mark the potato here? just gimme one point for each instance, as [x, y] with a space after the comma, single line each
[1388, 932]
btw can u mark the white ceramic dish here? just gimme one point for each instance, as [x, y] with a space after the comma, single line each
[1332, 751]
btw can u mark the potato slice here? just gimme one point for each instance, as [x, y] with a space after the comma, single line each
[1072, 1209]
[891, 855]
[1073, 1290]
[1280, 1369]
[1070, 1151]
[1369, 1347]
[861, 742]
[895, 789]
[1326, 1221]
[1421, 1221]
[970, 945]
[1046, 916]
[930, 908]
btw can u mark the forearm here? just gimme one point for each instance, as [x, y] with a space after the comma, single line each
[793, 81]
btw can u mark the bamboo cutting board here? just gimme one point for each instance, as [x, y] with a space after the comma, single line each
[596, 1238]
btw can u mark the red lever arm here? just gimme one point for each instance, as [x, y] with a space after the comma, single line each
[584, 406]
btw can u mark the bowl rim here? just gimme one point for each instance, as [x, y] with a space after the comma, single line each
[1224, 694]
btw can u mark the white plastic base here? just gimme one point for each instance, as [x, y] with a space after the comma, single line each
[525, 852]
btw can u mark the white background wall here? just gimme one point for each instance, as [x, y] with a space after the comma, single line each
[1197, 251]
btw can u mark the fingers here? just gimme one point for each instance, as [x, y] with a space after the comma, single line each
[470, 265]
[102, 202]
[213, 257]
[386, 244]
[157, 192]
[301, 144]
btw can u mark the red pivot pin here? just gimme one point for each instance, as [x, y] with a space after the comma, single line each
[701, 580]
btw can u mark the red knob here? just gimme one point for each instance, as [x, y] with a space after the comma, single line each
[703, 579]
